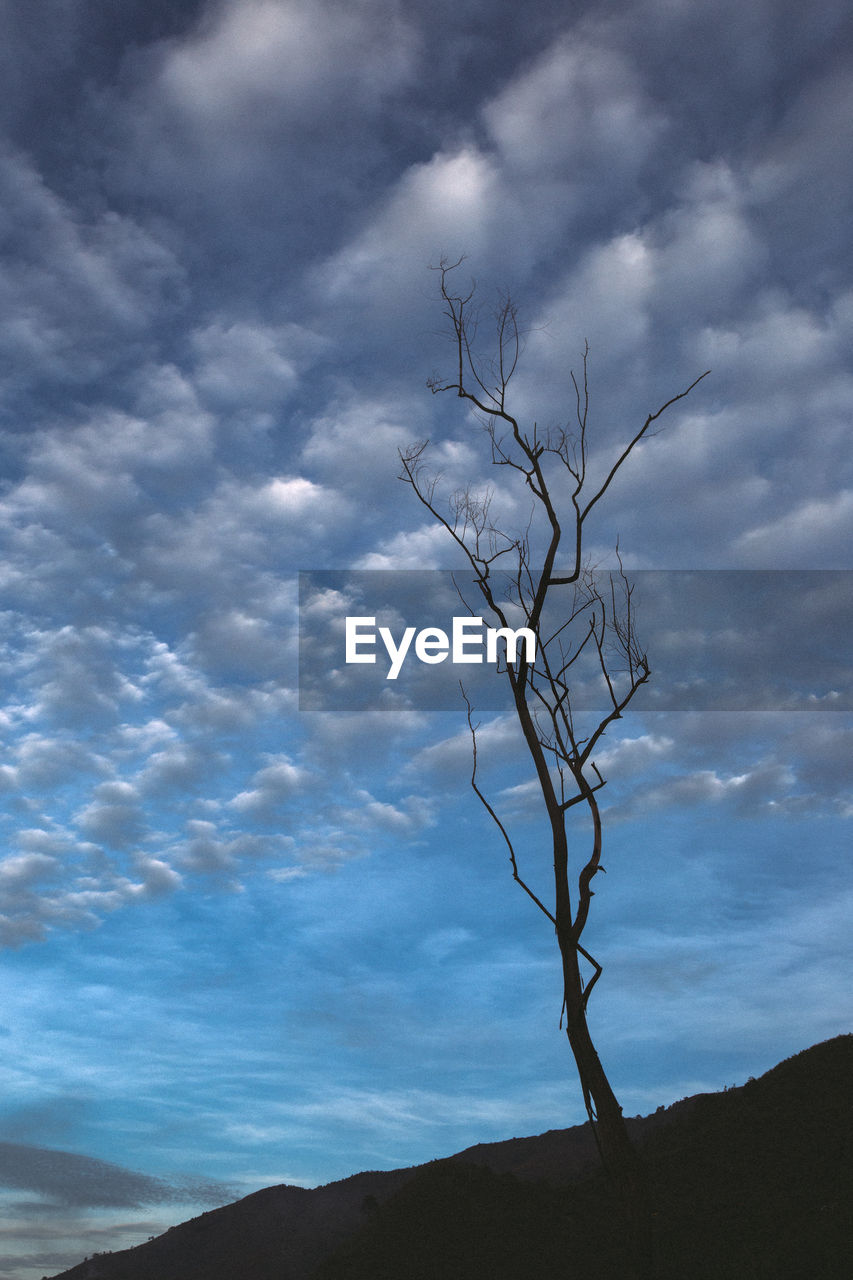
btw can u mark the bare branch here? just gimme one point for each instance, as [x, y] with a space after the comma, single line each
[652, 417]
[493, 815]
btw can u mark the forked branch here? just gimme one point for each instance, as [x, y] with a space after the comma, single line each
[493, 815]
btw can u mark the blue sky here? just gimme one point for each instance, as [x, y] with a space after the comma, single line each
[244, 944]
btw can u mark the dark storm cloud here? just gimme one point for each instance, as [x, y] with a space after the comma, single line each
[314, 104]
[52, 52]
[82, 1182]
[80, 290]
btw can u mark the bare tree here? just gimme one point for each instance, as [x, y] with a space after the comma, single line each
[580, 619]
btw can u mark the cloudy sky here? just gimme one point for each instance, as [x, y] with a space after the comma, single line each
[244, 943]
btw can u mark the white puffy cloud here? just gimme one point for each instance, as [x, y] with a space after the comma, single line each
[213, 849]
[355, 446]
[817, 533]
[251, 367]
[278, 782]
[114, 816]
[47, 762]
[252, 56]
[407, 817]
[427, 547]
[59, 881]
[22, 870]
[453, 197]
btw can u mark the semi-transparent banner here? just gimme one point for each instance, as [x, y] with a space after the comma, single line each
[735, 640]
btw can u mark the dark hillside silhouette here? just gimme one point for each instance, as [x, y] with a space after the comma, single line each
[754, 1183]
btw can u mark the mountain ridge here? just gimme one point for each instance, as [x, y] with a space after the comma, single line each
[287, 1233]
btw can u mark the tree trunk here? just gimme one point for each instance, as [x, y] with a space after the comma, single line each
[618, 1154]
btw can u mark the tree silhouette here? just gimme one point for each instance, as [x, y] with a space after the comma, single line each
[584, 626]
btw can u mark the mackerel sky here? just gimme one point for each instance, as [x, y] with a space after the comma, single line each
[246, 944]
